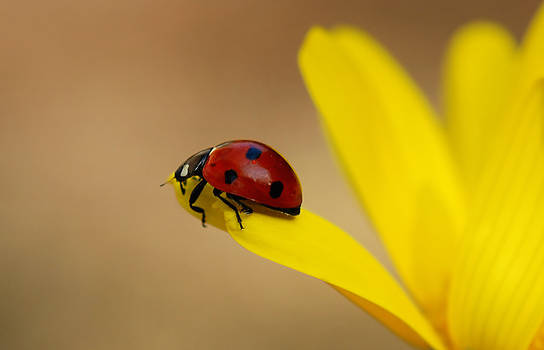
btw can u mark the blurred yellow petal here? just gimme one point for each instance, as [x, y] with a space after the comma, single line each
[530, 68]
[538, 341]
[532, 53]
[477, 79]
[314, 246]
[393, 151]
[497, 291]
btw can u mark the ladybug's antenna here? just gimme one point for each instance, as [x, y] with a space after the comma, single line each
[168, 180]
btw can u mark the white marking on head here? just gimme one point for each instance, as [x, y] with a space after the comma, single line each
[184, 170]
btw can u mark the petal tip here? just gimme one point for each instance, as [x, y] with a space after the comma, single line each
[314, 35]
[484, 28]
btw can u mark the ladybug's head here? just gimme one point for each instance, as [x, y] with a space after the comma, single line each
[192, 166]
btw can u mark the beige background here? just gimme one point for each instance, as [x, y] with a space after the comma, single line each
[100, 100]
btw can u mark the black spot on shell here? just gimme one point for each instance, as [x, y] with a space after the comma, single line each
[253, 153]
[230, 176]
[276, 189]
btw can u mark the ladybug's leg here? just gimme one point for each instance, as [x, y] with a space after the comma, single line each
[217, 193]
[194, 196]
[237, 199]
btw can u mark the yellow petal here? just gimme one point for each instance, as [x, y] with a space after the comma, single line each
[496, 297]
[538, 341]
[532, 53]
[314, 246]
[530, 68]
[393, 151]
[477, 80]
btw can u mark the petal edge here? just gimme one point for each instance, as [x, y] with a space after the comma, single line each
[394, 153]
[314, 246]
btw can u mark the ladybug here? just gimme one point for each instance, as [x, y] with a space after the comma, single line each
[244, 170]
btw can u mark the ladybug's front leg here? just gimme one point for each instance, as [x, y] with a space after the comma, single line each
[217, 193]
[194, 196]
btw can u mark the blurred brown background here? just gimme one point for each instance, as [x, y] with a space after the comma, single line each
[101, 100]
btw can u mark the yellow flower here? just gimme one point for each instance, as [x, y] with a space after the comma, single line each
[459, 205]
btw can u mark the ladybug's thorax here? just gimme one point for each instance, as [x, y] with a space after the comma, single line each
[193, 166]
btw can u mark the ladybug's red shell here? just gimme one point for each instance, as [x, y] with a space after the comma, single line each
[254, 171]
